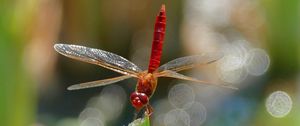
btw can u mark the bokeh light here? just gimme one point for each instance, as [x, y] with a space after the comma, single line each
[111, 101]
[161, 107]
[259, 40]
[231, 69]
[177, 117]
[91, 113]
[279, 104]
[197, 113]
[240, 60]
[159, 120]
[107, 106]
[180, 95]
[91, 122]
[257, 62]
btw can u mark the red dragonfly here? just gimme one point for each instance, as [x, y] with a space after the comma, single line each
[147, 80]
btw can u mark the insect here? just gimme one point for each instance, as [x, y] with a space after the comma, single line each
[147, 79]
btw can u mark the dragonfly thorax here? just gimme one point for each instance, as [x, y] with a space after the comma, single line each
[146, 84]
[144, 89]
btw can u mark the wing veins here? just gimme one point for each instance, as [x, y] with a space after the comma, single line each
[188, 62]
[98, 83]
[98, 57]
[173, 74]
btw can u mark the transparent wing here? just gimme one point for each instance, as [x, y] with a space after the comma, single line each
[172, 74]
[97, 83]
[188, 62]
[99, 57]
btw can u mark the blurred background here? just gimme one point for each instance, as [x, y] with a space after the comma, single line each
[259, 39]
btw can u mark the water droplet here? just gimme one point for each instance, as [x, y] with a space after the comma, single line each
[279, 104]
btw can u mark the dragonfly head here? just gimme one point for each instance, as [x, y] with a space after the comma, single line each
[139, 100]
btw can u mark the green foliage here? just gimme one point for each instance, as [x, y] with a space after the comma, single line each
[17, 93]
[141, 122]
[283, 36]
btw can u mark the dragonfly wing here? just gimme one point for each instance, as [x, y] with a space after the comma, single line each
[188, 62]
[173, 74]
[99, 57]
[97, 83]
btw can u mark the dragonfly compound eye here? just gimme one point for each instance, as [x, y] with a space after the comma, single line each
[138, 100]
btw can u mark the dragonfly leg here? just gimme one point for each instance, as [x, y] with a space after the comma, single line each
[149, 110]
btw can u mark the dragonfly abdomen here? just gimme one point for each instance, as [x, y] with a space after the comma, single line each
[158, 39]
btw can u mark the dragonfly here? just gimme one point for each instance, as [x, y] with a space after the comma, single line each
[147, 79]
